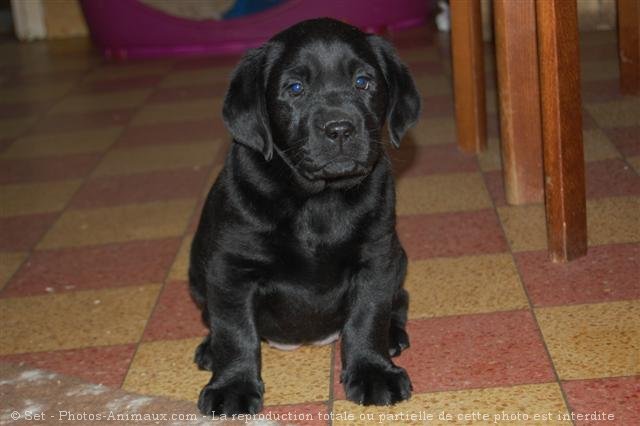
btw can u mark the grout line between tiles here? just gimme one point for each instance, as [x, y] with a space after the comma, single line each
[531, 307]
[163, 284]
[43, 114]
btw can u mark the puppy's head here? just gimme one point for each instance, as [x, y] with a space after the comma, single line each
[318, 95]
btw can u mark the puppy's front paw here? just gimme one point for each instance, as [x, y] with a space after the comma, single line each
[369, 384]
[237, 397]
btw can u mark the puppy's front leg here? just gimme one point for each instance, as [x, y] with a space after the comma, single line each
[236, 386]
[368, 374]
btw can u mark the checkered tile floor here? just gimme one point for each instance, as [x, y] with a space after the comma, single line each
[103, 169]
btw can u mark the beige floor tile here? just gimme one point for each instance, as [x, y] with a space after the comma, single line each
[60, 144]
[635, 163]
[98, 102]
[591, 341]
[441, 193]
[292, 377]
[529, 400]
[34, 93]
[609, 221]
[598, 70]
[215, 172]
[464, 285]
[166, 368]
[433, 131]
[9, 264]
[433, 85]
[14, 127]
[613, 220]
[30, 198]
[616, 114]
[180, 269]
[418, 54]
[118, 224]
[178, 111]
[76, 319]
[196, 77]
[597, 146]
[492, 100]
[491, 159]
[150, 158]
[524, 226]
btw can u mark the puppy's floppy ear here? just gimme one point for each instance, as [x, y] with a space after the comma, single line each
[244, 110]
[404, 100]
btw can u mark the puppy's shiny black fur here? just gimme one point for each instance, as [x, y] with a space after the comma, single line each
[297, 238]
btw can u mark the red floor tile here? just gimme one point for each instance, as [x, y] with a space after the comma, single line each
[606, 178]
[413, 37]
[172, 133]
[189, 93]
[425, 66]
[626, 139]
[619, 396]
[603, 52]
[140, 188]
[107, 365]
[412, 160]
[14, 110]
[495, 186]
[125, 83]
[207, 62]
[493, 126]
[4, 143]
[607, 273]
[472, 351]
[451, 234]
[20, 233]
[437, 106]
[601, 90]
[46, 168]
[175, 315]
[111, 265]
[84, 121]
[17, 78]
[609, 178]
[195, 219]
[299, 414]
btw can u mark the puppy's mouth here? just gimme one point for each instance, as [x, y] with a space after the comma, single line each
[339, 168]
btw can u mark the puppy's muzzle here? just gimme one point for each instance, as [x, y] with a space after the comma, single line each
[342, 167]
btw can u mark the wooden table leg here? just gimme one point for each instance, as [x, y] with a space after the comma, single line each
[562, 128]
[519, 90]
[468, 75]
[629, 46]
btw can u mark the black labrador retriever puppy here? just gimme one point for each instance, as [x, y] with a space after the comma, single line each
[297, 241]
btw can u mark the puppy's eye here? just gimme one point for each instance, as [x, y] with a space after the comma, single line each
[296, 89]
[362, 82]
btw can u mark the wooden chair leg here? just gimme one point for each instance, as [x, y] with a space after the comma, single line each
[468, 75]
[557, 25]
[518, 86]
[629, 46]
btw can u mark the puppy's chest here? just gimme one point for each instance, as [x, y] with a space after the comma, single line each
[321, 227]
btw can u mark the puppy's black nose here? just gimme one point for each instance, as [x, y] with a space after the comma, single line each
[339, 130]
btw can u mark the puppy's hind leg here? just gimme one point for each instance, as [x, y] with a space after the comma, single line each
[398, 337]
[204, 355]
